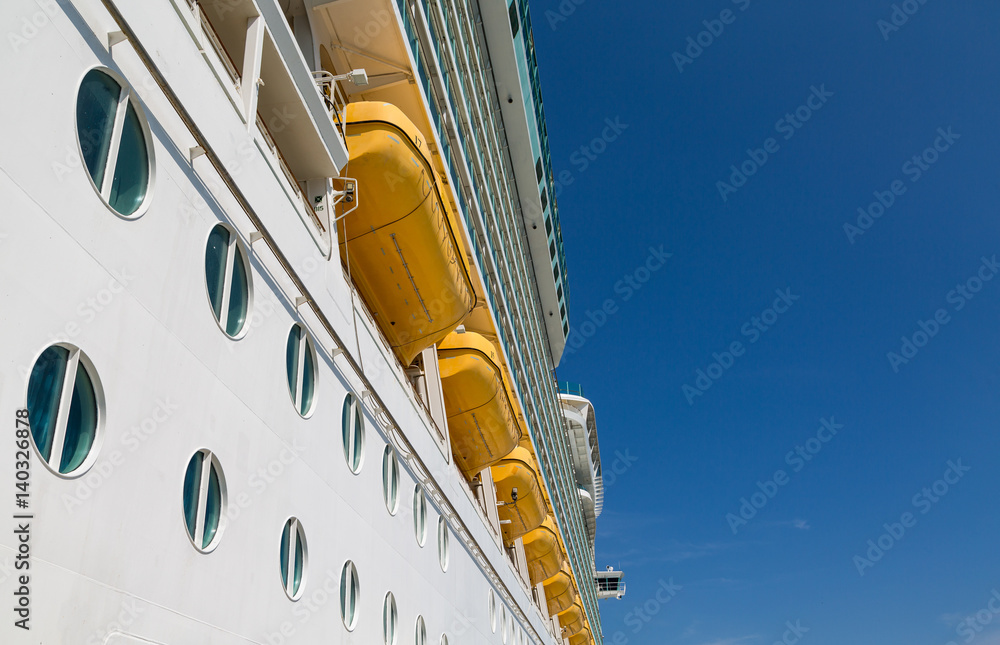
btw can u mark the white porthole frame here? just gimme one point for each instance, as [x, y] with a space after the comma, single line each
[492, 604]
[305, 342]
[420, 631]
[234, 243]
[354, 587]
[356, 419]
[213, 460]
[126, 96]
[443, 539]
[390, 459]
[420, 515]
[390, 616]
[299, 534]
[76, 357]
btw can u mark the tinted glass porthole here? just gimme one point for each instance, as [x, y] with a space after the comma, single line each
[420, 632]
[227, 277]
[390, 480]
[443, 553]
[420, 515]
[353, 433]
[293, 558]
[493, 611]
[114, 141]
[300, 365]
[350, 593]
[204, 500]
[389, 619]
[64, 409]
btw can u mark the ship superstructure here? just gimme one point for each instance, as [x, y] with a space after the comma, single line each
[291, 290]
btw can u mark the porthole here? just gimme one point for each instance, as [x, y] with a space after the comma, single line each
[443, 554]
[114, 142]
[65, 410]
[227, 276]
[294, 557]
[420, 515]
[420, 632]
[493, 611]
[390, 480]
[389, 619]
[444, 639]
[350, 593]
[503, 622]
[353, 433]
[300, 367]
[204, 500]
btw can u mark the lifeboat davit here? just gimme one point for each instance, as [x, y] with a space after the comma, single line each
[542, 552]
[571, 620]
[559, 594]
[517, 470]
[481, 420]
[400, 243]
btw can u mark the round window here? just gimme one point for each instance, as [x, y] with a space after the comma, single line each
[114, 142]
[65, 410]
[353, 433]
[350, 593]
[204, 500]
[390, 480]
[300, 365]
[294, 557]
[389, 619]
[419, 515]
[227, 276]
[443, 533]
[420, 632]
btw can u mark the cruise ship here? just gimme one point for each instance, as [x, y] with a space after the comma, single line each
[284, 292]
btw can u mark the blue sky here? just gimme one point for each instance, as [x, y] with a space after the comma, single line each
[686, 465]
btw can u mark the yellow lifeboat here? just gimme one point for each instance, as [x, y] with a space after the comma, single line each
[481, 420]
[571, 620]
[542, 552]
[400, 244]
[559, 594]
[583, 638]
[517, 470]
